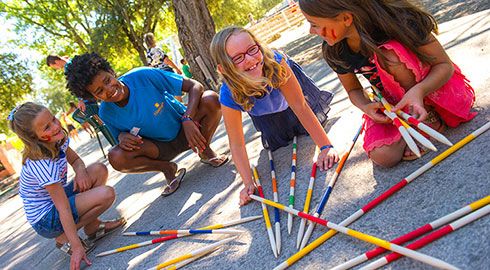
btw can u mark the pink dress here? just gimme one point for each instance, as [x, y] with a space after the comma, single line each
[452, 101]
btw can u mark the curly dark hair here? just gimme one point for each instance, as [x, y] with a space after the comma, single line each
[81, 70]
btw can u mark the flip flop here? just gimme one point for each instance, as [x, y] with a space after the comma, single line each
[212, 161]
[174, 184]
[66, 247]
[103, 231]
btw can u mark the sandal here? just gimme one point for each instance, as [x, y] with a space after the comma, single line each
[103, 231]
[174, 184]
[216, 161]
[411, 156]
[66, 247]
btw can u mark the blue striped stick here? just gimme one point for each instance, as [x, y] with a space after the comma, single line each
[277, 220]
[326, 195]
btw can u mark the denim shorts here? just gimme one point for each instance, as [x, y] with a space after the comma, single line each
[49, 226]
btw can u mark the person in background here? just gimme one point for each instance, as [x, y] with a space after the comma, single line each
[156, 57]
[59, 63]
[185, 68]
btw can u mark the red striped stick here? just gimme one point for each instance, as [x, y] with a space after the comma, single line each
[326, 194]
[415, 233]
[431, 237]
[361, 236]
[309, 193]
[346, 222]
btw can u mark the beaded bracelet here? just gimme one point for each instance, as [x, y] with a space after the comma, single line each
[186, 117]
[327, 146]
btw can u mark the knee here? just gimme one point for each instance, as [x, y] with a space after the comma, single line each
[107, 195]
[210, 101]
[101, 171]
[385, 158]
[117, 158]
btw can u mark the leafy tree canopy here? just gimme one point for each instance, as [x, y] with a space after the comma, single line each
[15, 83]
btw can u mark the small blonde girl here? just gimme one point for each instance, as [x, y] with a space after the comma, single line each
[54, 207]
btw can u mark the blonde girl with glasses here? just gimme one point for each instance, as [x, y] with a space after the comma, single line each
[270, 88]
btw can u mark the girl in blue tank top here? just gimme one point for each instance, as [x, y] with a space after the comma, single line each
[260, 82]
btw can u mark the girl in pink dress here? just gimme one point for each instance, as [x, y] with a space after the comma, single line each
[391, 44]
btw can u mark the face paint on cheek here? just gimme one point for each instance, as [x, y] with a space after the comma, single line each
[333, 34]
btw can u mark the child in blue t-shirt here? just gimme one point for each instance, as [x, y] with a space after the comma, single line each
[54, 207]
[260, 82]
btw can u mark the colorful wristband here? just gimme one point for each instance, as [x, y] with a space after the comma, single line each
[327, 146]
[186, 117]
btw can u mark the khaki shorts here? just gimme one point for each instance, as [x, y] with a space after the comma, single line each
[169, 150]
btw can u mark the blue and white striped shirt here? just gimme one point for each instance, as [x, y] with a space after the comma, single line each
[34, 177]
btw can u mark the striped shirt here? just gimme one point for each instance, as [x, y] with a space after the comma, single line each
[34, 177]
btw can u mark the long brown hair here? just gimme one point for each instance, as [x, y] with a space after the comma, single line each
[241, 85]
[20, 122]
[396, 19]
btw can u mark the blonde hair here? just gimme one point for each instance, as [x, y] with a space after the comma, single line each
[241, 85]
[149, 40]
[21, 123]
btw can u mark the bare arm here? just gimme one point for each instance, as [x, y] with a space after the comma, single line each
[296, 100]
[81, 181]
[169, 62]
[192, 132]
[234, 128]
[62, 204]
[441, 70]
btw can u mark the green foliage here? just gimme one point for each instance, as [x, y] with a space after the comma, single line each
[235, 12]
[15, 82]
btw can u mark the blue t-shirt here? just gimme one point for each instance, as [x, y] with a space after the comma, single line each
[272, 102]
[151, 106]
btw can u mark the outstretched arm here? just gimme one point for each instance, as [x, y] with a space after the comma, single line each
[296, 100]
[234, 128]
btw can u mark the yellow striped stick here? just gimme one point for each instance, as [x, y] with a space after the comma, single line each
[375, 202]
[265, 212]
[194, 253]
[361, 236]
[415, 233]
[309, 193]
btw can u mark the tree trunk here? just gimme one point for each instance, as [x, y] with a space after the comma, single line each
[196, 30]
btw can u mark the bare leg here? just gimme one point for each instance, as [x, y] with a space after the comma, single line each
[88, 128]
[141, 160]
[388, 155]
[92, 203]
